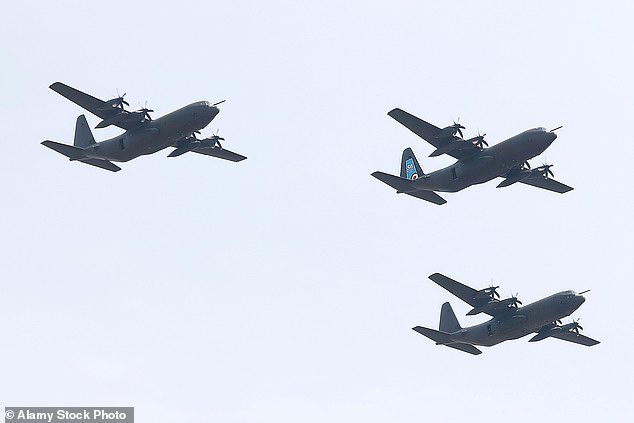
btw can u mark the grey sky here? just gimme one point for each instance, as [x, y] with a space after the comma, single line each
[284, 288]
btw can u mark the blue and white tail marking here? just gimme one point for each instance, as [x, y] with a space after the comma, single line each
[410, 169]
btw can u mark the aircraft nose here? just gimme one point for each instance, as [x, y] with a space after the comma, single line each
[552, 136]
[210, 110]
[213, 109]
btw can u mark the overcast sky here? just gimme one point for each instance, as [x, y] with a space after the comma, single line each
[284, 288]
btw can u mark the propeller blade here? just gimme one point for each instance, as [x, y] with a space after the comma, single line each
[559, 127]
[479, 141]
[220, 102]
[583, 292]
[457, 128]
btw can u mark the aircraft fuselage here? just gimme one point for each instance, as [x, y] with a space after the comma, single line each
[521, 321]
[489, 163]
[154, 135]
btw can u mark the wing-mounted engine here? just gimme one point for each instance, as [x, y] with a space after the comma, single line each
[485, 301]
[449, 140]
[556, 329]
[479, 141]
[115, 114]
[212, 142]
[517, 174]
[524, 171]
[450, 132]
[115, 104]
[191, 143]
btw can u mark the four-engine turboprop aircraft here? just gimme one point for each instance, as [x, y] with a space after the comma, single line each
[143, 135]
[509, 320]
[476, 164]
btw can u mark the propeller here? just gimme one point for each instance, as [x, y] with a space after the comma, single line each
[492, 291]
[514, 301]
[559, 127]
[220, 102]
[456, 127]
[145, 113]
[545, 170]
[583, 292]
[119, 101]
[574, 326]
[217, 138]
[479, 141]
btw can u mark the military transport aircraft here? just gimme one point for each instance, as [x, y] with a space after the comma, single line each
[509, 320]
[142, 135]
[476, 164]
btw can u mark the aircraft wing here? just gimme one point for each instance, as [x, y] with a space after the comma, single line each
[470, 296]
[221, 153]
[461, 291]
[455, 147]
[94, 105]
[573, 337]
[547, 183]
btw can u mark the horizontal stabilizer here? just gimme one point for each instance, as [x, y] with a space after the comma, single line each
[443, 338]
[402, 185]
[73, 153]
[430, 196]
[221, 153]
[104, 164]
[399, 184]
[440, 338]
[468, 348]
[76, 154]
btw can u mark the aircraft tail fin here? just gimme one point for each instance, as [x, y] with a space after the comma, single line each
[83, 135]
[410, 168]
[448, 321]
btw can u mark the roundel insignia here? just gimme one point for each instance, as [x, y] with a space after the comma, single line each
[414, 176]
